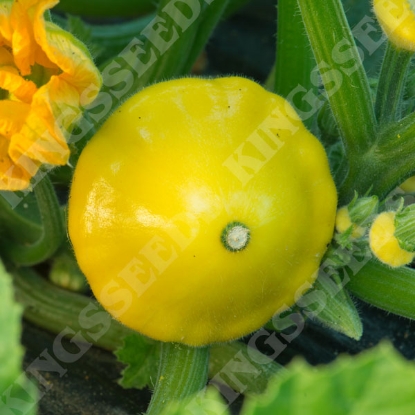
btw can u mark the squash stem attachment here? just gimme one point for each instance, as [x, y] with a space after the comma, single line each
[235, 236]
[183, 371]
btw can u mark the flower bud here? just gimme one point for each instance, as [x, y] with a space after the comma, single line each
[405, 228]
[397, 19]
[384, 244]
[408, 186]
[356, 215]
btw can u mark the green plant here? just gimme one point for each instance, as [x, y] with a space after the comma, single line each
[366, 125]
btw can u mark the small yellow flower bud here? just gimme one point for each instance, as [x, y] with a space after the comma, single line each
[384, 244]
[397, 19]
[343, 223]
[408, 185]
[356, 215]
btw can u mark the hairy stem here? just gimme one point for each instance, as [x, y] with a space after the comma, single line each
[183, 371]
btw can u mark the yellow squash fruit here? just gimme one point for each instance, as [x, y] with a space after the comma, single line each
[201, 208]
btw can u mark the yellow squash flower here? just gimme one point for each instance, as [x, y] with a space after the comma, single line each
[46, 76]
[397, 19]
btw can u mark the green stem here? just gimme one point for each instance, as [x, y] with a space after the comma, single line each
[399, 133]
[295, 62]
[386, 165]
[54, 309]
[389, 289]
[183, 372]
[342, 73]
[362, 178]
[392, 83]
[53, 229]
[17, 226]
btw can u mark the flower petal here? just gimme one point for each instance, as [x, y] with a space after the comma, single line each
[12, 117]
[54, 108]
[11, 81]
[72, 57]
[6, 57]
[46, 75]
[5, 26]
[24, 15]
[12, 177]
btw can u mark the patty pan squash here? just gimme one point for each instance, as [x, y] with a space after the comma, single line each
[201, 208]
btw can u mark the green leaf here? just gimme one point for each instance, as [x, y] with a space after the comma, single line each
[16, 391]
[11, 351]
[142, 356]
[379, 381]
[333, 306]
[209, 402]
[241, 367]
